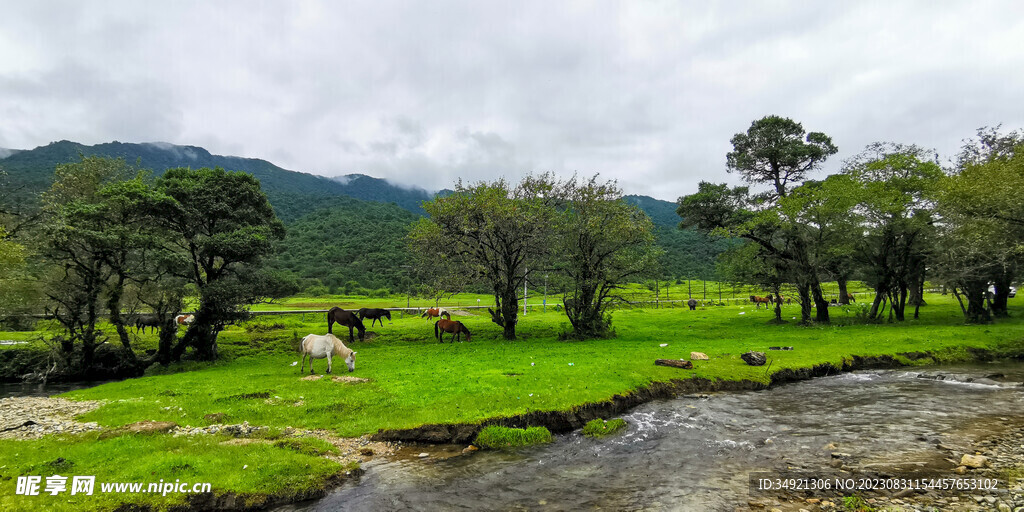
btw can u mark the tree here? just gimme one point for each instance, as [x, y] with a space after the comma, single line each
[492, 232]
[223, 229]
[776, 152]
[898, 185]
[602, 243]
[985, 191]
[75, 238]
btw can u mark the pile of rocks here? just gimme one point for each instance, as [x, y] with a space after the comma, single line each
[32, 417]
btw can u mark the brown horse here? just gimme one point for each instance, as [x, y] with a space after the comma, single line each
[761, 300]
[454, 327]
[346, 318]
[849, 297]
[436, 312]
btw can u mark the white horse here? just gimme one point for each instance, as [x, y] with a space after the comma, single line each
[318, 346]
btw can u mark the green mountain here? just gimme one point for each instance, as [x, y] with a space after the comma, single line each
[688, 253]
[351, 240]
[293, 194]
[348, 228]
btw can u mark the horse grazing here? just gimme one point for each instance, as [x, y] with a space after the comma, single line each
[849, 297]
[374, 314]
[454, 327]
[318, 346]
[184, 319]
[146, 320]
[347, 319]
[436, 312]
[692, 303]
[761, 300]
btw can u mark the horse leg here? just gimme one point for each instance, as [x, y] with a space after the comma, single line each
[303, 367]
[329, 361]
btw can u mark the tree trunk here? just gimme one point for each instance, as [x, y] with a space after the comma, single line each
[879, 297]
[778, 304]
[976, 312]
[1002, 295]
[114, 306]
[805, 302]
[819, 302]
[510, 314]
[844, 296]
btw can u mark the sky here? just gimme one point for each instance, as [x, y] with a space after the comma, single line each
[423, 93]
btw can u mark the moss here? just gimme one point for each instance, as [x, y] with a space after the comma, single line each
[601, 428]
[496, 437]
[307, 446]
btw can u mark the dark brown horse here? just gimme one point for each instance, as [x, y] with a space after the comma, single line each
[346, 318]
[374, 314]
[455, 327]
[761, 300]
[849, 297]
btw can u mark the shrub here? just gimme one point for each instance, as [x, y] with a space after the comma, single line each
[496, 437]
[601, 428]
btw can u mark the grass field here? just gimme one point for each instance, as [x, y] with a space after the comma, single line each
[414, 380]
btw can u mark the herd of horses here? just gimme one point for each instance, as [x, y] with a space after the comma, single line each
[769, 300]
[317, 346]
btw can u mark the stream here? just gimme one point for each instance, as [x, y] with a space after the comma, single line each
[696, 453]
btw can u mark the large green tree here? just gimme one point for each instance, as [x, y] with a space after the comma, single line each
[897, 185]
[775, 153]
[224, 229]
[985, 191]
[493, 232]
[602, 243]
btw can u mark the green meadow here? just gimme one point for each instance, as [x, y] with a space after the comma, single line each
[414, 380]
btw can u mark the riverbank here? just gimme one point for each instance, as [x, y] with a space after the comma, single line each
[413, 384]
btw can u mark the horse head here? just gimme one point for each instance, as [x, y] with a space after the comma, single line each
[351, 361]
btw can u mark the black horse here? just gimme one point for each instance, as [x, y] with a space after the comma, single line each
[692, 303]
[374, 314]
[141, 321]
[346, 318]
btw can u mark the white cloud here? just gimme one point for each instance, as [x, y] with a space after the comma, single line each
[425, 93]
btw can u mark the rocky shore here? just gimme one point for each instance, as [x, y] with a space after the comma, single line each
[995, 455]
[35, 417]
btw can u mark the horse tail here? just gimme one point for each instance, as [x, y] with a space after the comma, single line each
[330, 319]
[437, 330]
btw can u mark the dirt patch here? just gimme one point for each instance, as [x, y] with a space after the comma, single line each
[150, 427]
[345, 378]
[312, 377]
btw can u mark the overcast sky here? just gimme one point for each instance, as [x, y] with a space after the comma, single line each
[425, 92]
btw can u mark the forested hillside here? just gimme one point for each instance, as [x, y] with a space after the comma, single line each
[688, 253]
[348, 242]
[331, 236]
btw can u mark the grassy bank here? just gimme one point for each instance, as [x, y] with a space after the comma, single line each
[413, 380]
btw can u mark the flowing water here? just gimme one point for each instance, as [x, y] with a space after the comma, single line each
[11, 389]
[694, 453]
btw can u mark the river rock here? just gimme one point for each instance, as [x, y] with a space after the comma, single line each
[698, 356]
[754, 358]
[974, 461]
